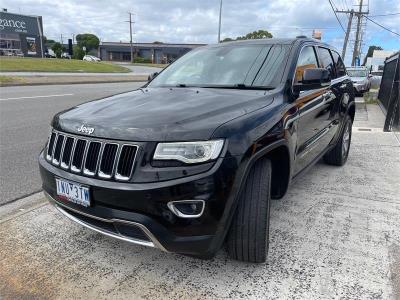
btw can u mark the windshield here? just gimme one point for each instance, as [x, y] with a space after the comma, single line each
[357, 73]
[236, 66]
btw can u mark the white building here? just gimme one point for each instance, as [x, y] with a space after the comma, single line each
[377, 61]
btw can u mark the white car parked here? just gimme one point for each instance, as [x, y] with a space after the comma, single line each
[91, 58]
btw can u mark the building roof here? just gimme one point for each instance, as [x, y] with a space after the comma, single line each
[18, 14]
[151, 45]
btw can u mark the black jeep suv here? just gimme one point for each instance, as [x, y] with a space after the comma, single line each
[191, 160]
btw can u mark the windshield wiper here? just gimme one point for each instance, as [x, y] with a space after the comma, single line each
[239, 86]
[242, 86]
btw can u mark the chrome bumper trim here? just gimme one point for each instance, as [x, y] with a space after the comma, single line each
[154, 243]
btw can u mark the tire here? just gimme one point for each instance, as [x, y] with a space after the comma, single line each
[247, 239]
[339, 154]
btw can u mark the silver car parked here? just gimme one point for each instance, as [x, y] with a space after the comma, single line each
[361, 79]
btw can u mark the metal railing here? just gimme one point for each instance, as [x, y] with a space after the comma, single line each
[389, 92]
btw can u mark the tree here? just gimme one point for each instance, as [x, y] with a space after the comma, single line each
[78, 53]
[57, 49]
[227, 40]
[88, 40]
[49, 42]
[259, 34]
[370, 52]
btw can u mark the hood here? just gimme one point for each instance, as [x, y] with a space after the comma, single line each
[161, 114]
[358, 79]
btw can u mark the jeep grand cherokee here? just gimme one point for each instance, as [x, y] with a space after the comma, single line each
[191, 161]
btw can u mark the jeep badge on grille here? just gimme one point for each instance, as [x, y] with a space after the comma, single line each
[87, 130]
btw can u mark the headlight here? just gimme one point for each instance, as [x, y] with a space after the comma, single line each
[189, 152]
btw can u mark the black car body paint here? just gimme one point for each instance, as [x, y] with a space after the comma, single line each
[293, 130]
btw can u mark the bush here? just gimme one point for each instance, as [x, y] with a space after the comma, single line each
[78, 53]
[141, 60]
[57, 49]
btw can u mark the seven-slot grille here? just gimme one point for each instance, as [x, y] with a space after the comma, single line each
[91, 157]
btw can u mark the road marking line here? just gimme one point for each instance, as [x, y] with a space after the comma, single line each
[32, 97]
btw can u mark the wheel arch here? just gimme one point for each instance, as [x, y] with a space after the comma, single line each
[279, 155]
[351, 110]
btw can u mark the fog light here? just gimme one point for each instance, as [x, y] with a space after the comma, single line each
[187, 208]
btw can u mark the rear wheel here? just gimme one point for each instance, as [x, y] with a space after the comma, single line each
[338, 155]
[247, 239]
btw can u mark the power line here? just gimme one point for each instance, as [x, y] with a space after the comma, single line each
[393, 14]
[337, 18]
[382, 26]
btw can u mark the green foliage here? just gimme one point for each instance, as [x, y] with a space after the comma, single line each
[227, 40]
[57, 48]
[88, 40]
[259, 34]
[370, 52]
[141, 60]
[11, 64]
[50, 42]
[78, 53]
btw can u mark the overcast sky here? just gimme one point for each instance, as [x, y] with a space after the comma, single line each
[193, 21]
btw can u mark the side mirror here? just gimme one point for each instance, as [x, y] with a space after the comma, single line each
[152, 76]
[313, 79]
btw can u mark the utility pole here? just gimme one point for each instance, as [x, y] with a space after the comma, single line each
[346, 38]
[130, 33]
[357, 42]
[359, 14]
[219, 25]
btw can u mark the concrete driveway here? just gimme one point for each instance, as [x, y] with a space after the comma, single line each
[335, 235]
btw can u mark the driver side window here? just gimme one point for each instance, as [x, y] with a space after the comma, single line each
[307, 60]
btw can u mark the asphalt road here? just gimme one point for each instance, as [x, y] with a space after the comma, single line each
[25, 114]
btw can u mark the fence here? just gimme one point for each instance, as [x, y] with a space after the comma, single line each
[389, 92]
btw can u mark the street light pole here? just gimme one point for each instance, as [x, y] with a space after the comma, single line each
[130, 33]
[219, 25]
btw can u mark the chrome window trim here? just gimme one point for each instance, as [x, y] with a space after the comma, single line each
[333, 81]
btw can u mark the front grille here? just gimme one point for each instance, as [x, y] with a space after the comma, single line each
[125, 163]
[91, 157]
[108, 160]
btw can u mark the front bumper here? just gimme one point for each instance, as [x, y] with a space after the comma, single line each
[138, 212]
[359, 88]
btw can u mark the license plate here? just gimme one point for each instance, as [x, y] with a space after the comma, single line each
[73, 192]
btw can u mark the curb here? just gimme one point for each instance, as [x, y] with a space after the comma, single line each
[21, 206]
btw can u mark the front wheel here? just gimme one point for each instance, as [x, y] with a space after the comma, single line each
[338, 155]
[247, 239]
